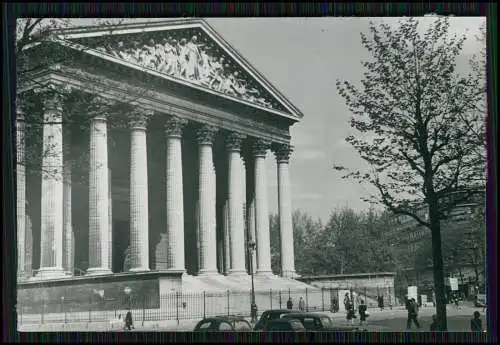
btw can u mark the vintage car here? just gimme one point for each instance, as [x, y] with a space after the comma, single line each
[284, 325]
[319, 322]
[268, 315]
[223, 324]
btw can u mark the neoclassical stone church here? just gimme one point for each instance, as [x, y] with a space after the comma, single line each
[141, 152]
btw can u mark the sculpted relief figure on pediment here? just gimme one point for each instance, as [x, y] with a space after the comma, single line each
[187, 58]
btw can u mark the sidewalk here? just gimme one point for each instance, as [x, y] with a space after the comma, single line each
[189, 324]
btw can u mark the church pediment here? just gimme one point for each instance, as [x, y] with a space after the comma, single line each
[187, 50]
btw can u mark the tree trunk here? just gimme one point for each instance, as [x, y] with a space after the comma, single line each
[437, 257]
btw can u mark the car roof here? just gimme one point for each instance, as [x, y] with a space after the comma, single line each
[224, 318]
[301, 315]
[278, 311]
[282, 320]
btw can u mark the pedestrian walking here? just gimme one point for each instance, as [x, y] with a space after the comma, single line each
[476, 325]
[363, 314]
[380, 300]
[434, 325]
[412, 314]
[349, 307]
[129, 325]
[334, 305]
[302, 304]
[289, 303]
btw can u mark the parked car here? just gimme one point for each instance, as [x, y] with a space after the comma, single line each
[319, 322]
[284, 325]
[223, 324]
[268, 315]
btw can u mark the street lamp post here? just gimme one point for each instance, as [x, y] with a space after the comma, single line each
[128, 291]
[253, 306]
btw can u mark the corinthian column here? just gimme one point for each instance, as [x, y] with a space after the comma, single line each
[250, 209]
[68, 226]
[226, 246]
[282, 153]
[21, 192]
[260, 148]
[175, 197]
[139, 208]
[51, 253]
[207, 212]
[98, 197]
[236, 221]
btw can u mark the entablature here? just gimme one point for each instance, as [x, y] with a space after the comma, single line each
[71, 79]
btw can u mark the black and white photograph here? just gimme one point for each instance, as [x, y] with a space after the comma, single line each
[255, 174]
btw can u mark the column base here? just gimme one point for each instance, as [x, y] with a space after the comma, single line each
[22, 277]
[266, 273]
[290, 274]
[237, 273]
[139, 269]
[50, 273]
[208, 272]
[98, 271]
[176, 270]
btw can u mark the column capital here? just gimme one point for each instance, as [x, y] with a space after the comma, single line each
[100, 108]
[260, 147]
[52, 99]
[174, 125]
[234, 140]
[282, 152]
[138, 118]
[205, 135]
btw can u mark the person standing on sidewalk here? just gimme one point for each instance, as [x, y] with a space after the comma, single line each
[476, 325]
[289, 303]
[434, 325]
[412, 314]
[362, 313]
[302, 304]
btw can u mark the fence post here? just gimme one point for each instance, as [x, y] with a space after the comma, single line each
[90, 309]
[43, 310]
[227, 302]
[143, 309]
[204, 305]
[64, 310]
[271, 298]
[280, 298]
[366, 300]
[322, 298]
[177, 306]
[307, 301]
[289, 294]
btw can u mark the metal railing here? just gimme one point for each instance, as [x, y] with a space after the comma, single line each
[181, 305]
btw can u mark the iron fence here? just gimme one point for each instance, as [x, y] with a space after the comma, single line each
[183, 305]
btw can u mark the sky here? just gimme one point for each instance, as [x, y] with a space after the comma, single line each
[303, 58]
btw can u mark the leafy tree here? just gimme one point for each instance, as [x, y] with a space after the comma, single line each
[409, 116]
[305, 232]
[463, 244]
